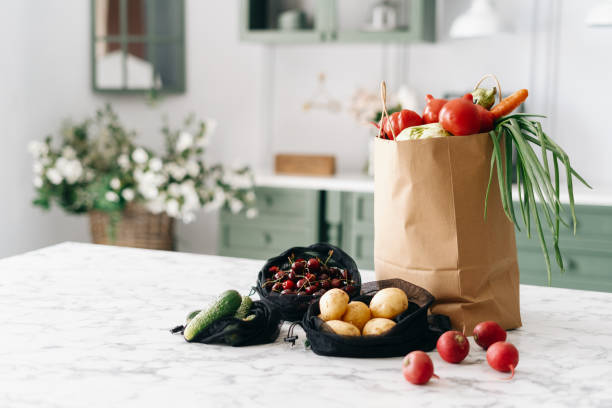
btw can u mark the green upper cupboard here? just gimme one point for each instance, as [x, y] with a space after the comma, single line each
[138, 46]
[304, 21]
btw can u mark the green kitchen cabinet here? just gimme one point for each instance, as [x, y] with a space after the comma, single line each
[287, 217]
[335, 21]
[300, 217]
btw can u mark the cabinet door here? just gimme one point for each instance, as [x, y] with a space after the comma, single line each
[261, 21]
[415, 21]
[358, 227]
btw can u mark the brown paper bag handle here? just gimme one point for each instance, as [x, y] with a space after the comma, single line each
[499, 92]
[383, 99]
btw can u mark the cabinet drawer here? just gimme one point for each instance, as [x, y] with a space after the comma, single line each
[594, 222]
[286, 203]
[583, 270]
[237, 240]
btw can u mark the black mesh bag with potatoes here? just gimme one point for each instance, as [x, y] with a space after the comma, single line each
[293, 306]
[413, 329]
[262, 328]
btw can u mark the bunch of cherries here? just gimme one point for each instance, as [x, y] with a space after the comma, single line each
[308, 277]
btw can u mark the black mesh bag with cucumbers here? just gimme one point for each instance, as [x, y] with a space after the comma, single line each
[259, 324]
[294, 279]
[413, 328]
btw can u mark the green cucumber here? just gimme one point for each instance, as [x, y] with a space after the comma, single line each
[191, 315]
[245, 308]
[225, 305]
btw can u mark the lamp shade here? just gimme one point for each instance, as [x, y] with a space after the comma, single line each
[600, 15]
[480, 20]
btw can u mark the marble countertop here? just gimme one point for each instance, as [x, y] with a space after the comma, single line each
[362, 183]
[87, 326]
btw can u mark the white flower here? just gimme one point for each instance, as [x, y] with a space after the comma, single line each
[157, 204]
[184, 142]
[193, 168]
[217, 201]
[155, 164]
[250, 196]
[238, 181]
[71, 170]
[188, 218]
[89, 174]
[123, 161]
[174, 190]
[38, 182]
[38, 149]
[37, 167]
[252, 213]
[177, 172]
[236, 205]
[54, 176]
[139, 155]
[172, 208]
[115, 183]
[128, 194]
[68, 152]
[149, 192]
[111, 196]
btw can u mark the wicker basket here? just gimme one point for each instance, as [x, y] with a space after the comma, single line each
[136, 227]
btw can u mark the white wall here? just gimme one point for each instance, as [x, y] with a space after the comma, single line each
[256, 93]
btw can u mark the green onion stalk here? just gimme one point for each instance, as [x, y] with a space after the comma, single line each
[534, 179]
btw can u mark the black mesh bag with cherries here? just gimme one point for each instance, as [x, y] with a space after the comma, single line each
[300, 275]
[414, 329]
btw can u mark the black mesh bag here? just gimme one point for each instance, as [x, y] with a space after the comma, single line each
[263, 328]
[414, 329]
[292, 306]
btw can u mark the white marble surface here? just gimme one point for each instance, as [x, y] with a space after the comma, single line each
[87, 326]
[361, 183]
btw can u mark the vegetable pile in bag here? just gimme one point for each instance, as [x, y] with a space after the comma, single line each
[444, 217]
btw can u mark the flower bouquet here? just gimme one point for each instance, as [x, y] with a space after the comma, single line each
[132, 194]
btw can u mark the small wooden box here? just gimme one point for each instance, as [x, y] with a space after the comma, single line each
[305, 164]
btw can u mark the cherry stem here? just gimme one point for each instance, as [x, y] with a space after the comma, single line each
[331, 252]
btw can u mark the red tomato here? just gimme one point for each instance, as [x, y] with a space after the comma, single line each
[460, 116]
[400, 121]
[432, 109]
[486, 119]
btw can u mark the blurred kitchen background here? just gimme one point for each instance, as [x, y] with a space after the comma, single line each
[253, 65]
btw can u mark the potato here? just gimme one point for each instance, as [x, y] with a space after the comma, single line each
[388, 303]
[343, 328]
[357, 313]
[377, 326]
[333, 304]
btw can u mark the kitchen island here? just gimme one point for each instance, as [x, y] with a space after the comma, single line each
[86, 325]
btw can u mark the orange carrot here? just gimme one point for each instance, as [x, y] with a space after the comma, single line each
[509, 103]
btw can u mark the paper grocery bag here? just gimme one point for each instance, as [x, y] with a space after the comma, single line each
[430, 228]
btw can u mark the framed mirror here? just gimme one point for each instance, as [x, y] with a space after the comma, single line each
[138, 46]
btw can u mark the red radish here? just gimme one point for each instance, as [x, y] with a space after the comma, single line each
[503, 357]
[487, 333]
[418, 368]
[401, 120]
[453, 346]
[460, 116]
[432, 109]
